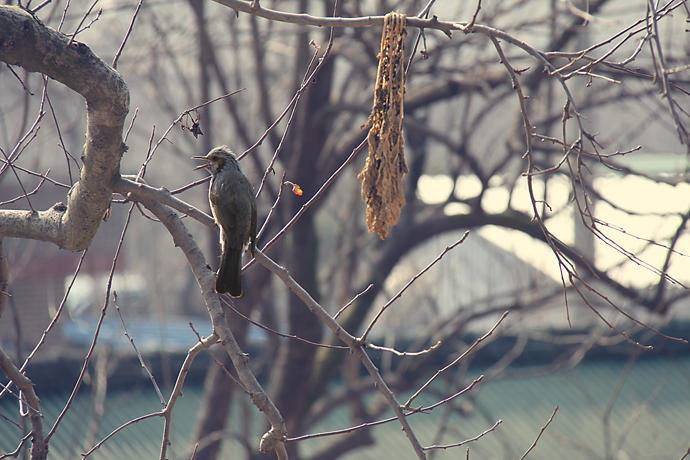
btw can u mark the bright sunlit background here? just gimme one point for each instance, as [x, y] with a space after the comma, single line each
[644, 210]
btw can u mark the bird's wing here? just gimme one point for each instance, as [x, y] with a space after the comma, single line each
[226, 216]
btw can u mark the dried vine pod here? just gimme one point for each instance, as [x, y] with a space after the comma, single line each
[382, 174]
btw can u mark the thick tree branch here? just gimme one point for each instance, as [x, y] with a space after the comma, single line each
[274, 438]
[127, 186]
[26, 42]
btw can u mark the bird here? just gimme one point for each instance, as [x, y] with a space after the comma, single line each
[233, 205]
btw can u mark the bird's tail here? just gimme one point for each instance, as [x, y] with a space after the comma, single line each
[229, 278]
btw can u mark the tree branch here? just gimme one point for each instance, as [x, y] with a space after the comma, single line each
[274, 438]
[356, 346]
[39, 449]
[26, 42]
[309, 20]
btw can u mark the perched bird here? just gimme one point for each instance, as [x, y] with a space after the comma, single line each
[234, 209]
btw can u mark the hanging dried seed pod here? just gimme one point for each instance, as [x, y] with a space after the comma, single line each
[382, 174]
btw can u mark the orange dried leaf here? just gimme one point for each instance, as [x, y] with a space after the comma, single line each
[297, 190]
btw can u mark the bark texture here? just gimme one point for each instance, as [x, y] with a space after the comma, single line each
[28, 43]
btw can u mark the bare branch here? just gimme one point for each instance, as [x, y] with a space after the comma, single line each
[409, 412]
[272, 331]
[405, 353]
[409, 283]
[85, 366]
[133, 190]
[120, 428]
[73, 64]
[540, 433]
[136, 350]
[274, 438]
[129, 31]
[39, 447]
[455, 361]
[308, 20]
[661, 74]
[458, 444]
[350, 340]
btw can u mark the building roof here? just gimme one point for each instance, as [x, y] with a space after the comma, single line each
[605, 411]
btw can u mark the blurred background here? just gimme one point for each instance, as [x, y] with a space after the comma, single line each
[615, 206]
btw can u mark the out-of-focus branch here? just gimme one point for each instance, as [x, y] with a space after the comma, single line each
[37, 48]
[661, 75]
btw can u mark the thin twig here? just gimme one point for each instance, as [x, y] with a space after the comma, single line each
[41, 176]
[136, 350]
[68, 156]
[218, 363]
[15, 453]
[483, 433]
[354, 299]
[686, 454]
[476, 13]
[275, 203]
[409, 283]
[21, 82]
[455, 361]
[306, 81]
[279, 334]
[85, 366]
[26, 195]
[19, 147]
[405, 353]
[21, 185]
[78, 28]
[408, 413]
[131, 125]
[191, 185]
[661, 75]
[179, 119]
[316, 196]
[129, 31]
[540, 433]
[120, 428]
[354, 344]
[54, 320]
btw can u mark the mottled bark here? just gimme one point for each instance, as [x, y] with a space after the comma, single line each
[26, 42]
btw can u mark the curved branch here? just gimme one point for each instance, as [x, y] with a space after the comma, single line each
[26, 42]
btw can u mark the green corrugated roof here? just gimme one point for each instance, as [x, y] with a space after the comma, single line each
[649, 420]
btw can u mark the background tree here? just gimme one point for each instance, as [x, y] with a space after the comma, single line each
[516, 102]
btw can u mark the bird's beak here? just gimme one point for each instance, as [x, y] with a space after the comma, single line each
[200, 157]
